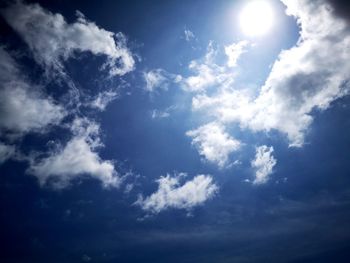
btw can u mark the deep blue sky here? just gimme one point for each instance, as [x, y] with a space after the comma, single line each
[300, 214]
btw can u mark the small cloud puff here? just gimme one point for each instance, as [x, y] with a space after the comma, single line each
[171, 194]
[263, 164]
[214, 143]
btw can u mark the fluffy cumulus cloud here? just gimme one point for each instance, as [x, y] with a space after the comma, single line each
[214, 143]
[303, 79]
[263, 164]
[171, 194]
[159, 79]
[76, 159]
[22, 104]
[52, 40]
[306, 77]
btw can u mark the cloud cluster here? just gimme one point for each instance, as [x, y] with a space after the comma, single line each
[214, 143]
[26, 108]
[263, 164]
[303, 79]
[171, 194]
[52, 40]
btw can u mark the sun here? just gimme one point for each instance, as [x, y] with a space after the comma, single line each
[256, 18]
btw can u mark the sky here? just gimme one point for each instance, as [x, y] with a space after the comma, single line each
[174, 131]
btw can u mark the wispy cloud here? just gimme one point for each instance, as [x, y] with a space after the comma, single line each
[103, 99]
[157, 79]
[189, 35]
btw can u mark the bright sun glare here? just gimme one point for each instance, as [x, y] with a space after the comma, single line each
[256, 18]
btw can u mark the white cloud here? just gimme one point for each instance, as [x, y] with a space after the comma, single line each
[76, 159]
[159, 79]
[6, 152]
[25, 111]
[171, 194]
[157, 114]
[189, 35]
[303, 79]
[263, 164]
[160, 114]
[234, 51]
[24, 108]
[214, 143]
[206, 73]
[102, 99]
[52, 40]
[306, 77]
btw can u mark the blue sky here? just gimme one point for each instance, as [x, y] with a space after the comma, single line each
[166, 131]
